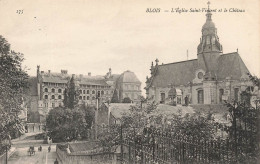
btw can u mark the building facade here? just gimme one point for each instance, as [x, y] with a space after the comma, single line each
[47, 90]
[209, 79]
[126, 85]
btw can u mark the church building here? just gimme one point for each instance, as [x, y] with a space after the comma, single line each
[209, 79]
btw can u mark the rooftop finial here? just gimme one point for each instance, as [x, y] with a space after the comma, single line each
[208, 12]
[157, 61]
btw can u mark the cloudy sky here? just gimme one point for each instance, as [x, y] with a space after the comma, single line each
[91, 36]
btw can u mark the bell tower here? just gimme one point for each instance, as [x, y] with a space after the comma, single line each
[209, 48]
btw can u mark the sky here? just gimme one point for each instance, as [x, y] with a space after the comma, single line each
[84, 36]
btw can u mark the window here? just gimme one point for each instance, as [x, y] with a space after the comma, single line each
[200, 97]
[53, 105]
[87, 97]
[84, 98]
[200, 75]
[52, 90]
[59, 90]
[221, 93]
[84, 91]
[46, 96]
[102, 92]
[107, 92]
[80, 91]
[93, 92]
[93, 98]
[46, 90]
[46, 104]
[162, 98]
[87, 91]
[80, 97]
[59, 96]
[236, 91]
[53, 97]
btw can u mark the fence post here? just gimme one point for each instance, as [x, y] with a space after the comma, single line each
[121, 138]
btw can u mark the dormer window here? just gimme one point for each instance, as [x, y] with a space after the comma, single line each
[200, 75]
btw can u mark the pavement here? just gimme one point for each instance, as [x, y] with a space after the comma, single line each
[19, 151]
[20, 156]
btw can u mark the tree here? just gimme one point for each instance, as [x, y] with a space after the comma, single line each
[126, 100]
[13, 84]
[115, 97]
[71, 94]
[65, 124]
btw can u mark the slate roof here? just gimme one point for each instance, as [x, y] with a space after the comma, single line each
[118, 109]
[181, 73]
[128, 77]
[168, 110]
[63, 78]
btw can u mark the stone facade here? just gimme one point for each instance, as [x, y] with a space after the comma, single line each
[209, 79]
[47, 90]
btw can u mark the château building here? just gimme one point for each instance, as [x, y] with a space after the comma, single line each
[47, 90]
[209, 79]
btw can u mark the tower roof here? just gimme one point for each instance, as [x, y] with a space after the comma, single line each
[208, 24]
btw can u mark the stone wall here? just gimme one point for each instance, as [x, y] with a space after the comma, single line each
[81, 158]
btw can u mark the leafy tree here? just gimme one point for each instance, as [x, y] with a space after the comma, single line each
[115, 97]
[13, 84]
[126, 100]
[65, 124]
[245, 126]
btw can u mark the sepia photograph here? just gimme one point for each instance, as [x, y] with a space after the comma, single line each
[129, 82]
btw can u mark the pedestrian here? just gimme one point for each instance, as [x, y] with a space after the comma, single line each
[49, 148]
[56, 161]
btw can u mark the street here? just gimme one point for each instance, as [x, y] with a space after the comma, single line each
[20, 156]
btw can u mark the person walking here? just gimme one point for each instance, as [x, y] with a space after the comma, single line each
[49, 148]
[56, 161]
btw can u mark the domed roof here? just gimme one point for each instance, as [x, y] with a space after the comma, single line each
[128, 77]
[208, 24]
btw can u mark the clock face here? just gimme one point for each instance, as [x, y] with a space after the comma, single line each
[200, 75]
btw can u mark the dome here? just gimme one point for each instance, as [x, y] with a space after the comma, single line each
[208, 24]
[128, 77]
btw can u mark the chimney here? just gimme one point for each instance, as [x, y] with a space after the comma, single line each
[64, 71]
[42, 72]
[89, 74]
[49, 71]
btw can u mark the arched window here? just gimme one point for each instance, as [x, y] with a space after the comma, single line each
[84, 91]
[59, 96]
[80, 97]
[93, 98]
[93, 92]
[80, 91]
[102, 92]
[87, 91]
[87, 97]
[52, 90]
[52, 97]
[59, 90]
[46, 90]
[84, 98]
[46, 96]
